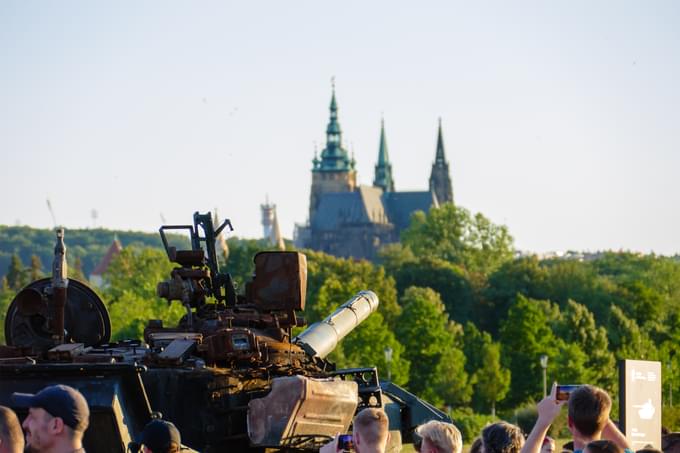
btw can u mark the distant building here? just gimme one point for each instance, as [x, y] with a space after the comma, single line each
[270, 225]
[348, 220]
[97, 275]
[570, 255]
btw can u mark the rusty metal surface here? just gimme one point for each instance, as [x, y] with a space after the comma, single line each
[300, 408]
[86, 319]
[280, 281]
[31, 302]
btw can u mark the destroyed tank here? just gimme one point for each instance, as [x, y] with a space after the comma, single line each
[230, 375]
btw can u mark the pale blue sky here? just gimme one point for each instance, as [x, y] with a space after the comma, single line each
[561, 118]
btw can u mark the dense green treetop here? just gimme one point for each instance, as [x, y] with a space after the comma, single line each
[525, 335]
[453, 234]
[356, 276]
[491, 380]
[433, 346]
[448, 279]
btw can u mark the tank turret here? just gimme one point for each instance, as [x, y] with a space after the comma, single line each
[229, 375]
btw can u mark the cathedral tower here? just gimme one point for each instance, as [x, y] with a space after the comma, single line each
[440, 180]
[383, 168]
[334, 172]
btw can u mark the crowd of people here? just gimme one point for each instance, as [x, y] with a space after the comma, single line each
[58, 416]
[588, 419]
[57, 419]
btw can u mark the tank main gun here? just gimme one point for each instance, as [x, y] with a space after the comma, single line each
[321, 338]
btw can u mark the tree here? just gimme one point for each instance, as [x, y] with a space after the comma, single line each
[17, 277]
[627, 339]
[76, 271]
[449, 280]
[669, 353]
[569, 363]
[526, 334]
[36, 268]
[473, 346]
[577, 326]
[453, 234]
[131, 294]
[366, 346]
[431, 345]
[575, 280]
[523, 276]
[492, 381]
[6, 296]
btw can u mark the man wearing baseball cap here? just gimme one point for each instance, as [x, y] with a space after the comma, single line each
[160, 436]
[57, 418]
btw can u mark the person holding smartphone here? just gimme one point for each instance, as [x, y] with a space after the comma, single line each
[370, 434]
[588, 419]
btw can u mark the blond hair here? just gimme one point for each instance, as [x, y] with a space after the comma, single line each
[444, 437]
[372, 425]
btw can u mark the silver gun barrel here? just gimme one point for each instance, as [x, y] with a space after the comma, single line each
[319, 339]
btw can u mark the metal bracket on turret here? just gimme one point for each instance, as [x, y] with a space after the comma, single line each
[370, 394]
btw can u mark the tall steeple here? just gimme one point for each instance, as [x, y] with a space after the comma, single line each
[333, 157]
[440, 179]
[333, 171]
[383, 168]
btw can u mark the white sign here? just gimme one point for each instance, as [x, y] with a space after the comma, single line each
[640, 408]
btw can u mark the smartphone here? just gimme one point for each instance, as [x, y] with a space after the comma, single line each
[345, 443]
[563, 391]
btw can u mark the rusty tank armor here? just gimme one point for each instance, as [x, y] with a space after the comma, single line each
[230, 375]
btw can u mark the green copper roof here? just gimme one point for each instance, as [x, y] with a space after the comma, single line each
[383, 168]
[333, 157]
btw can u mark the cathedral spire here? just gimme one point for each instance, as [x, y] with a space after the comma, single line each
[383, 168]
[334, 170]
[334, 157]
[439, 156]
[440, 179]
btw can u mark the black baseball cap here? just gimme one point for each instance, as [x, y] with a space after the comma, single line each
[60, 401]
[158, 434]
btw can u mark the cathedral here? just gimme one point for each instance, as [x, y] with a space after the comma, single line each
[349, 220]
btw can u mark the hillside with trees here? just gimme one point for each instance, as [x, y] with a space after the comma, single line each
[466, 321]
[85, 246]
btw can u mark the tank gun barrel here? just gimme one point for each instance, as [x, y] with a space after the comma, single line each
[322, 337]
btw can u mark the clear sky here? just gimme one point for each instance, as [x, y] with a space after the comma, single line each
[561, 118]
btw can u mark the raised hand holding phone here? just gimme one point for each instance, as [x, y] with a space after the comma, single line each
[548, 408]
